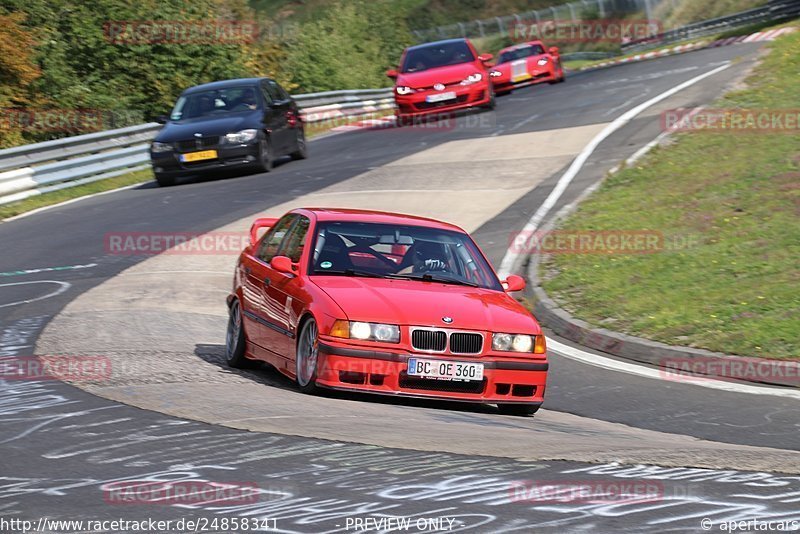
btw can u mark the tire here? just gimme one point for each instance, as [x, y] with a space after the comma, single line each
[302, 145]
[518, 409]
[266, 158]
[235, 340]
[307, 357]
[403, 120]
[165, 181]
[492, 102]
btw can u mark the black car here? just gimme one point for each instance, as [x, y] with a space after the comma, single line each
[245, 123]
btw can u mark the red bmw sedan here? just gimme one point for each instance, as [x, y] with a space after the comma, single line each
[441, 77]
[384, 303]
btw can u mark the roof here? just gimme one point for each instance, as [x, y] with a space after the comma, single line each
[223, 84]
[373, 216]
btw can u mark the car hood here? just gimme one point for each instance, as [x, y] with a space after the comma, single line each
[209, 126]
[446, 75]
[411, 302]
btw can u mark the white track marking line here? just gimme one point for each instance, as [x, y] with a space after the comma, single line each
[639, 370]
[64, 287]
[510, 259]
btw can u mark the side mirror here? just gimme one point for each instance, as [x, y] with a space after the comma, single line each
[513, 283]
[485, 57]
[258, 224]
[393, 74]
[283, 264]
[553, 50]
[162, 119]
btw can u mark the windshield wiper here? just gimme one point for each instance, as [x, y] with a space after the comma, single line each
[351, 272]
[428, 277]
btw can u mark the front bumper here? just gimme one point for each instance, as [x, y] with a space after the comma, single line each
[468, 96]
[233, 156]
[536, 75]
[505, 381]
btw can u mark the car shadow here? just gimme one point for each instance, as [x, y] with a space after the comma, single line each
[222, 174]
[267, 375]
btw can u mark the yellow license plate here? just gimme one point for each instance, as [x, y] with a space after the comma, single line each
[522, 77]
[198, 156]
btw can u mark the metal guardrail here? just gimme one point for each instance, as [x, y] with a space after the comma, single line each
[38, 168]
[775, 11]
[574, 11]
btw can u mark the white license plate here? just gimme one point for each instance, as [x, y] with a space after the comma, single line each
[445, 370]
[441, 97]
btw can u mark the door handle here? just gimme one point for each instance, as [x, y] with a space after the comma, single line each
[267, 282]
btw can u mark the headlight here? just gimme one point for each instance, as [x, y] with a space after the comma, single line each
[157, 147]
[472, 78]
[495, 74]
[403, 90]
[518, 343]
[238, 138]
[542, 62]
[385, 333]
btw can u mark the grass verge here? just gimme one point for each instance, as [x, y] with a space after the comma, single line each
[62, 195]
[736, 196]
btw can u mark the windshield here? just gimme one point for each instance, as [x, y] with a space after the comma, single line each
[437, 55]
[398, 251]
[520, 53]
[215, 102]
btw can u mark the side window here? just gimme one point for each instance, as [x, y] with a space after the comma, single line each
[296, 240]
[282, 94]
[268, 248]
[271, 88]
[268, 99]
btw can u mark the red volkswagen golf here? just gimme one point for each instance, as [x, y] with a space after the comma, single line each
[384, 303]
[441, 77]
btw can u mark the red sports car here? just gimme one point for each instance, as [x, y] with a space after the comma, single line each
[384, 303]
[441, 77]
[526, 64]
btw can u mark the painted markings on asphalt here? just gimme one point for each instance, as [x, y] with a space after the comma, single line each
[48, 269]
[596, 360]
[63, 286]
[511, 259]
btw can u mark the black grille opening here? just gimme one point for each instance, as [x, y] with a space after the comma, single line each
[350, 377]
[503, 389]
[197, 144]
[434, 340]
[432, 105]
[523, 391]
[466, 343]
[376, 380]
[431, 384]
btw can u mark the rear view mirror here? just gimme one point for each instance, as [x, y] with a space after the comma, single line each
[391, 73]
[162, 119]
[485, 57]
[553, 50]
[283, 264]
[514, 283]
